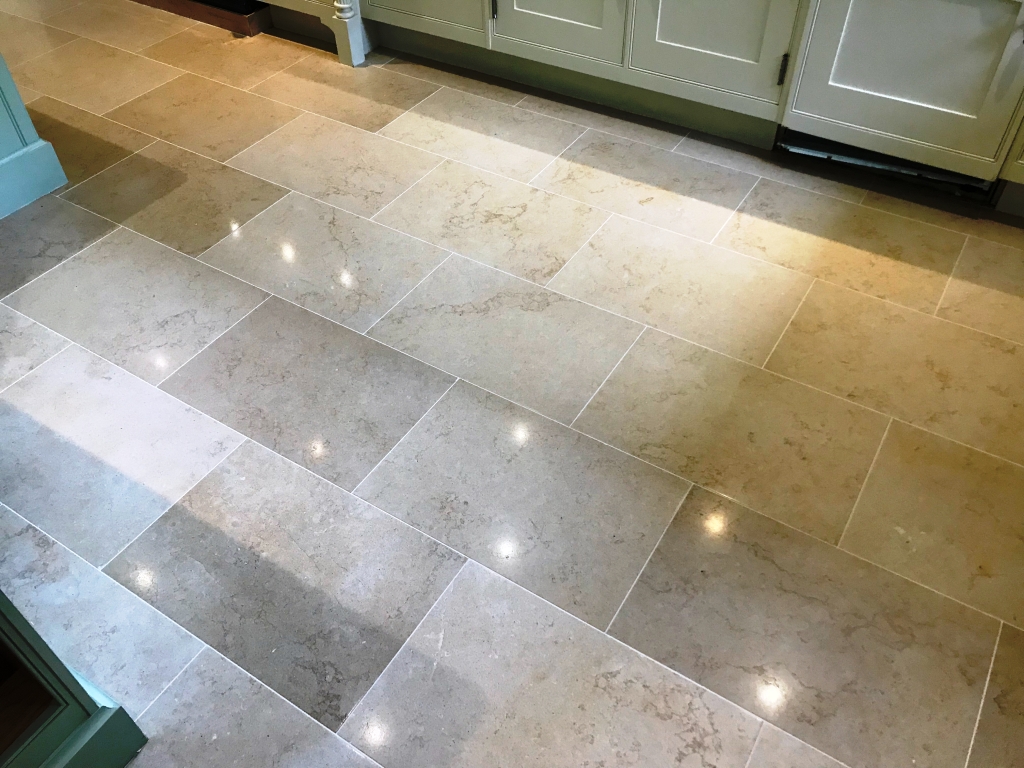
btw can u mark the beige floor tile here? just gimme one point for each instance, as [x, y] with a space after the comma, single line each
[858, 662]
[947, 379]
[863, 249]
[537, 348]
[36, 10]
[21, 39]
[484, 133]
[998, 742]
[590, 118]
[776, 446]
[121, 23]
[338, 164]
[176, 197]
[469, 82]
[366, 97]
[85, 143]
[489, 218]
[221, 55]
[777, 749]
[666, 189]
[734, 304]
[93, 76]
[945, 516]
[771, 165]
[204, 116]
[987, 290]
[27, 94]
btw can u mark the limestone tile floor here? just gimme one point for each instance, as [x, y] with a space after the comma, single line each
[402, 417]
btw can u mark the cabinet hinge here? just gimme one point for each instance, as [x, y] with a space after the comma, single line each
[783, 68]
[494, 9]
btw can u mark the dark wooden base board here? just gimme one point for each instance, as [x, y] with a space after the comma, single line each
[239, 23]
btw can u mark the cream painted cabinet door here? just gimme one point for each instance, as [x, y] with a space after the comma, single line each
[592, 28]
[463, 13]
[934, 81]
[730, 45]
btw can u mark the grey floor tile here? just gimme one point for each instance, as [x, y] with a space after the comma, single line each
[321, 395]
[217, 716]
[41, 235]
[867, 667]
[533, 346]
[998, 742]
[496, 677]
[332, 262]
[468, 81]
[309, 589]
[558, 513]
[93, 455]
[137, 303]
[777, 749]
[587, 115]
[986, 290]
[116, 641]
[24, 345]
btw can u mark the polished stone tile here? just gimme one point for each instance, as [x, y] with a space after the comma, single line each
[558, 513]
[870, 251]
[867, 667]
[947, 379]
[204, 116]
[121, 23]
[226, 57]
[987, 290]
[470, 82]
[36, 10]
[137, 303]
[776, 446]
[181, 199]
[306, 587]
[338, 164]
[669, 190]
[777, 166]
[628, 127]
[998, 742]
[93, 76]
[493, 136]
[538, 348]
[217, 716]
[366, 97]
[945, 516]
[103, 631]
[93, 455]
[777, 749]
[492, 219]
[27, 94]
[496, 677]
[21, 39]
[329, 261]
[734, 304]
[41, 235]
[24, 345]
[319, 394]
[85, 143]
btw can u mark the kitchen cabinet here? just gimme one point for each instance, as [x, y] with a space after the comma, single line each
[595, 29]
[462, 20]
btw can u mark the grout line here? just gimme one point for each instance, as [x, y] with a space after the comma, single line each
[753, 749]
[366, 333]
[257, 142]
[63, 261]
[202, 648]
[410, 109]
[984, 695]
[552, 162]
[387, 205]
[871, 467]
[735, 210]
[577, 252]
[949, 280]
[680, 143]
[29, 60]
[93, 176]
[271, 75]
[605, 380]
[37, 367]
[788, 324]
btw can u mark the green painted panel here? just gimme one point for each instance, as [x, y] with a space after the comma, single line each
[465, 13]
[592, 28]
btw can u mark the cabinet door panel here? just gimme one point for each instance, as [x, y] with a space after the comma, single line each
[592, 28]
[732, 45]
[465, 13]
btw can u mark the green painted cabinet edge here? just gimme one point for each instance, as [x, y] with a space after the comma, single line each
[755, 131]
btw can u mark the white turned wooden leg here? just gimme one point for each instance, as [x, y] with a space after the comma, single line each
[347, 23]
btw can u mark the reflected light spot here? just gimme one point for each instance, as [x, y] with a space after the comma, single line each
[346, 279]
[317, 449]
[144, 578]
[234, 229]
[506, 549]
[771, 696]
[288, 252]
[521, 434]
[160, 362]
[376, 733]
[715, 524]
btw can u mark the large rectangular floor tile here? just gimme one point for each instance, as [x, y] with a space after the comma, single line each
[945, 516]
[319, 394]
[628, 126]
[776, 446]
[733, 304]
[470, 82]
[492, 219]
[777, 749]
[100, 629]
[986, 290]
[124, 24]
[338, 164]
[204, 116]
[93, 76]
[496, 677]
[564, 516]
[36, 10]
[217, 716]
[955, 381]
[533, 346]
[496, 137]
[21, 39]
[870, 251]
[309, 589]
[137, 303]
[332, 262]
[663, 188]
[366, 97]
[92, 455]
[998, 742]
[24, 345]
[181, 199]
[869, 668]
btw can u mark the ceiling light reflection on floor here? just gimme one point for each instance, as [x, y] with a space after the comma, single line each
[288, 252]
[376, 733]
[715, 524]
[521, 433]
[771, 696]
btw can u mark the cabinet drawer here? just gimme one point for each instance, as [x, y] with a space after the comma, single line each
[592, 28]
[464, 13]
